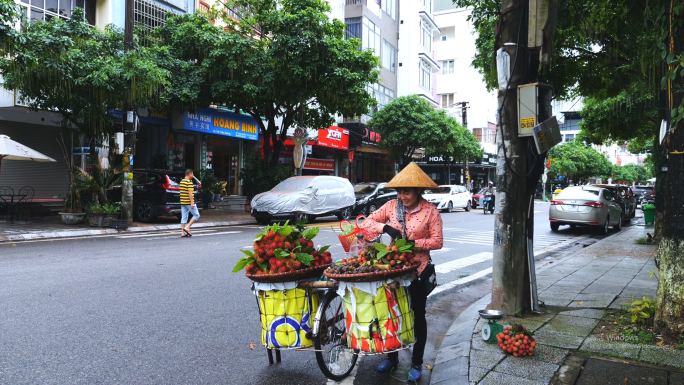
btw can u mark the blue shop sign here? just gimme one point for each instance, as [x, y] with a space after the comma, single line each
[216, 122]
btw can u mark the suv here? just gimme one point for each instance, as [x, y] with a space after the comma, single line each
[641, 192]
[624, 196]
[156, 193]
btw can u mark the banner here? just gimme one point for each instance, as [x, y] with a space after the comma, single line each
[319, 164]
[334, 137]
[223, 123]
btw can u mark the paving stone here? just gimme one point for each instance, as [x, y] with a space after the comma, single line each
[448, 353]
[614, 348]
[586, 313]
[561, 340]
[476, 374]
[676, 378]
[451, 372]
[549, 354]
[604, 372]
[480, 344]
[571, 325]
[532, 323]
[662, 356]
[527, 368]
[556, 299]
[486, 358]
[496, 378]
[565, 288]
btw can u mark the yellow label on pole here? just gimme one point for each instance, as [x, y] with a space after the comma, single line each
[527, 123]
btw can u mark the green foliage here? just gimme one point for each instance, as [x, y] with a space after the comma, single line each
[642, 311]
[209, 182]
[301, 64]
[256, 177]
[80, 72]
[107, 208]
[629, 173]
[10, 13]
[460, 146]
[408, 123]
[577, 161]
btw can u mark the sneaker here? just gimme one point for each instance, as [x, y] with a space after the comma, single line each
[386, 366]
[414, 374]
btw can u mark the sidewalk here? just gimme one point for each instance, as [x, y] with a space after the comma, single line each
[577, 291]
[50, 227]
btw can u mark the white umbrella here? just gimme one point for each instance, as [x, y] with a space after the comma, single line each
[651, 180]
[12, 150]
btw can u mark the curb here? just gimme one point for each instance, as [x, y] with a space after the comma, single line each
[84, 233]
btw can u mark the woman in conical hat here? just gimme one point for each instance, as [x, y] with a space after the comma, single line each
[422, 224]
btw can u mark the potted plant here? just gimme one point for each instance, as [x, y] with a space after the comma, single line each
[100, 215]
[209, 183]
[217, 188]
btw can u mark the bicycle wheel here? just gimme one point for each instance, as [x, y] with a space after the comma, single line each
[334, 358]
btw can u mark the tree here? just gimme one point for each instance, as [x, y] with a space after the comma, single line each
[10, 14]
[462, 146]
[577, 162]
[79, 72]
[408, 123]
[629, 174]
[280, 62]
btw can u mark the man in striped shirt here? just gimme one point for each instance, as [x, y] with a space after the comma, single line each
[187, 201]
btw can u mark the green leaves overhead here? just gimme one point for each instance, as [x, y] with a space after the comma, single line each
[408, 123]
[577, 161]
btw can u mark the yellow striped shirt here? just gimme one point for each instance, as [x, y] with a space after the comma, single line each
[186, 192]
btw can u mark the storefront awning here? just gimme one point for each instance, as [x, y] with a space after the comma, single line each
[373, 149]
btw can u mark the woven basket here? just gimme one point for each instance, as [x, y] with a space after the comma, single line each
[370, 277]
[289, 276]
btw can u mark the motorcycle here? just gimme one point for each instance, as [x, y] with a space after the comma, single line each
[488, 203]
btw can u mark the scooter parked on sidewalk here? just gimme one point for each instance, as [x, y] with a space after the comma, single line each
[488, 203]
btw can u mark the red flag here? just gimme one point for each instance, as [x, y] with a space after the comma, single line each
[548, 163]
[351, 156]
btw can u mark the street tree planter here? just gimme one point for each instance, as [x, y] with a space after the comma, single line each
[100, 220]
[72, 218]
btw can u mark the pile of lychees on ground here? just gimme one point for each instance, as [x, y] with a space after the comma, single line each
[378, 257]
[516, 340]
[282, 249]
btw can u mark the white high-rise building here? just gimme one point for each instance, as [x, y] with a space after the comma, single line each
[417, 65]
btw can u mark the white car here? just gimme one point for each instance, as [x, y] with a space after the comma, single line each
[449, 197]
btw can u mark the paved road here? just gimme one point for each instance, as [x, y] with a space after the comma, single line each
[155, 308]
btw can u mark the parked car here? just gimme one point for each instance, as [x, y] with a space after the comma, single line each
[648, 199]
[371, 196]
[305, 197]
[156, 193]
[624, 196]
[449, 197]
[585, 206]
[640, 192]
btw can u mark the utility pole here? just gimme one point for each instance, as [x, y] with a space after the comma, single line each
[464, 121]
[129, 122]
[510, 281]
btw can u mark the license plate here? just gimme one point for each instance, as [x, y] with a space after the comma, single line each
[572, 208]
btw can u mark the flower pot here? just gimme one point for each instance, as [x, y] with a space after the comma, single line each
[100, 220]
[72, 218]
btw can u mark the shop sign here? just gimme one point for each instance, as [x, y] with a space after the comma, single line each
[319, 164]
[222, 123]
[489, 159]
[334, 137]
[371, 137]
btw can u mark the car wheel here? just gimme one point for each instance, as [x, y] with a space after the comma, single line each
[468, 206]
[372, 209]
[618, 226]
[555, 226]
[302, 217]
[450, 207]
[346, 213]
[144, 211]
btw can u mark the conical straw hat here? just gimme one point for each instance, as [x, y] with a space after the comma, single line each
[412, 176]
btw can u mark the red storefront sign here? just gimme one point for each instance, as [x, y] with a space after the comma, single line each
[320, 164]
[334, 137]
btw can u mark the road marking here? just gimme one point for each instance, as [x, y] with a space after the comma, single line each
[452, 284]
[156, 234]
[440, 251]
[473, 243]
[460, 263]
[216, 233]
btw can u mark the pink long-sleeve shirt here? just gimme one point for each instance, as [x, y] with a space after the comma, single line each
[423, 225]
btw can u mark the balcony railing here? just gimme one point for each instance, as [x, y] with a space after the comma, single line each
[352, 2]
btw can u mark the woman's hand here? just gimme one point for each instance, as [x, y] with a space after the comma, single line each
[391, 231]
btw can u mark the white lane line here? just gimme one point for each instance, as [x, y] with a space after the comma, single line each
[460, 263]
[473, 243]
[440, 251]
[158, 234]
[452, 284]
[217, 233]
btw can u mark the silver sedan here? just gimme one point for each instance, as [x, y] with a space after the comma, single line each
[585, 206]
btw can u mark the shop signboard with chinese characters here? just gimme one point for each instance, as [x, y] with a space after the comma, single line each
[223, 123]
[334, 137]
[319, 164]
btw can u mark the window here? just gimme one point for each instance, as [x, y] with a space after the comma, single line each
[447, 100]
[444, 38]
[425, 35]
[44, 10]
[447, 67]
[427, 4]
[371, 36]
[380, 93]
[353, 30]
[389, 56]
[390, 7]
[148, 14]
[425, 72]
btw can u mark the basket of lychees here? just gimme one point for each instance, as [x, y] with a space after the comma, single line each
[376, 262]
[517, 340]
[284, 254]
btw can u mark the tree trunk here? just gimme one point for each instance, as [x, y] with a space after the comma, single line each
[510, 249]
[669, 319]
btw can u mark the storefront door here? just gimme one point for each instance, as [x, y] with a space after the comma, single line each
[225, 155]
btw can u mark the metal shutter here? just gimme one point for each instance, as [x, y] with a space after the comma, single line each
[48, 179]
